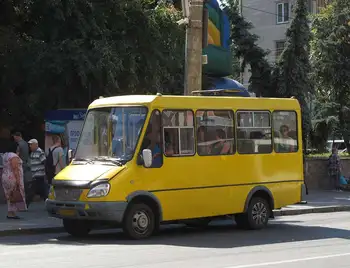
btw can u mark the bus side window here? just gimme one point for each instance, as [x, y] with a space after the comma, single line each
[215, 135]
[254, 132]
[285, 124]
[152, 140]
[178, 132]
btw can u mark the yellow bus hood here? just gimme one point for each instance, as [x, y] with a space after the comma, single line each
[88, 172]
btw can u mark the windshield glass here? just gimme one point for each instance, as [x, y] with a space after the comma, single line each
[111, 133]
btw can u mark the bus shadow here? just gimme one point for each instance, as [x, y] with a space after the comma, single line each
[222, 236]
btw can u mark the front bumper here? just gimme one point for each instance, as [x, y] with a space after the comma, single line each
[96, 211]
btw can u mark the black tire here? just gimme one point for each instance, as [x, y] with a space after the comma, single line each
[139, 221]
[258, 213]
[76, 228]
[198, 223]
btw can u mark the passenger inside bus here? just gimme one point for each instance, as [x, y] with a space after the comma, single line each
[221, 147]
[287, 145]
[168, 144]
[203, 148]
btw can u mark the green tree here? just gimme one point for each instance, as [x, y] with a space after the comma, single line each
[292, 72]
[64, 54]
[245, 48]
[331, 59]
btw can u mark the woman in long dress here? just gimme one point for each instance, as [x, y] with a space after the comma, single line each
[12, 181]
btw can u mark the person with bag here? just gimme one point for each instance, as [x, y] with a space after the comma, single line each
[12, 181]
[55, 159]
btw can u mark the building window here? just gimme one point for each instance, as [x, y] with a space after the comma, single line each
[282, 12]
[178, 132]
[285, 134]
[279, 48]
[254, 132]
[215, 132]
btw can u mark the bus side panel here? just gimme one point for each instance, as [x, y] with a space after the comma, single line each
[192, 187]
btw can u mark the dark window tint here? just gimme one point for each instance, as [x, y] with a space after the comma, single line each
[215, 132]
[254, 132]
[152, 139]
[178, 132]
[285, 131]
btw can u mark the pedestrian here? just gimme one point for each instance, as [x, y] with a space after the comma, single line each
[23, 149]
[23, 153]
[55, 160]
[12, 181]
[5, 138]
[37, 165]
[334, 169]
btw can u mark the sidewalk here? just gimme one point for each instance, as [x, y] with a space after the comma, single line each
[319, 202]
[36, 220]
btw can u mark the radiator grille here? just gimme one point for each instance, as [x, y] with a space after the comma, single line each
[66, 194]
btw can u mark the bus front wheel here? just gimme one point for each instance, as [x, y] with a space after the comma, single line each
[139, 221]
[257, 215]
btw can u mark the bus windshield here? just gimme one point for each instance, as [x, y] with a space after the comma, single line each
[110, 133]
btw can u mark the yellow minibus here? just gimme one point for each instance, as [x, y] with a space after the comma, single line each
[145, 160]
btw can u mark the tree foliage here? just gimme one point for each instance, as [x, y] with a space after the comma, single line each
[331, 59]
[63, 54]
[292, 72]
[244, 46]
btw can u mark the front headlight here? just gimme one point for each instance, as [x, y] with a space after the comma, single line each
[99, 190]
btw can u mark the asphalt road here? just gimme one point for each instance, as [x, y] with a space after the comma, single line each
[306, 241]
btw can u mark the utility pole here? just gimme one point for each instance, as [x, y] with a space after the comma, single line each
[193, 17]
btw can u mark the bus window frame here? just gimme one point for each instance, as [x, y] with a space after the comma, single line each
[194, 133]
[236, 127]
[297, 131]
[233, 132]
[146, 125]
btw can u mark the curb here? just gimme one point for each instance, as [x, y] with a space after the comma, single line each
[31, 231]
[291, 212]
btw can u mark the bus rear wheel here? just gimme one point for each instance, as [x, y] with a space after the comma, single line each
[139, 221]
[76, 228]
[257, 215]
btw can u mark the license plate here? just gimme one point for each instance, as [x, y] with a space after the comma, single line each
[66, 212]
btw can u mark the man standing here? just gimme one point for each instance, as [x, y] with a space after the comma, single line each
[334, 169]
[55, 159]
[23, 149]
[37, 164]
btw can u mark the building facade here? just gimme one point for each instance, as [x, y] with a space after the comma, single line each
[271, 19]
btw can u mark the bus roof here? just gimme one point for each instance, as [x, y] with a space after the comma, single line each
[198, 102]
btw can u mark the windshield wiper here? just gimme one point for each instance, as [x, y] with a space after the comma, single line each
[81, 160]
[108, 159]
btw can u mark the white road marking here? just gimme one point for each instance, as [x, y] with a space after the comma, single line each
[289, 261]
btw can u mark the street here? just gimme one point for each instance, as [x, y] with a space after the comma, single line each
[313, 240]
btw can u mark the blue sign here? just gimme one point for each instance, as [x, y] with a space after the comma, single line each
[65, 115]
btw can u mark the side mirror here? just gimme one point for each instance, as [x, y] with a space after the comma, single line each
[147, 158]
[70, 154]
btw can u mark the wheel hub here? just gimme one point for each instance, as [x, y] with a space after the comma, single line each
[140, 222]
[259, 213]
